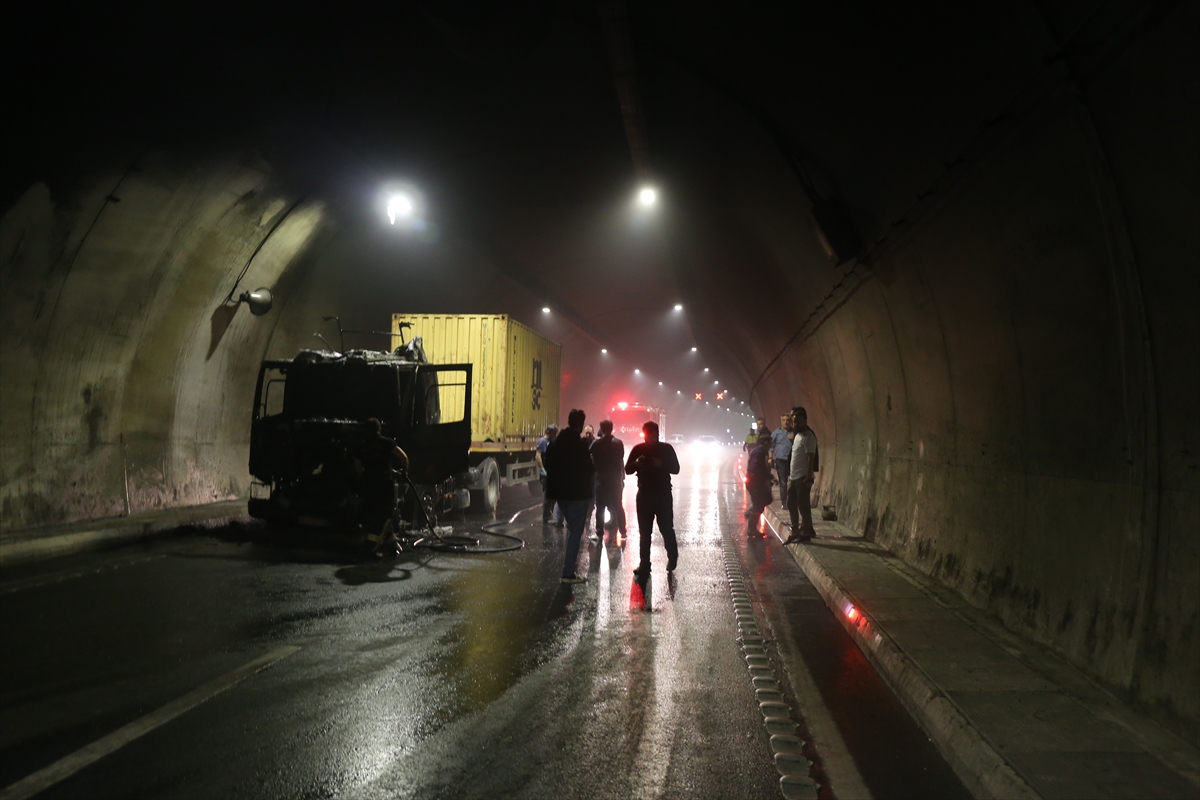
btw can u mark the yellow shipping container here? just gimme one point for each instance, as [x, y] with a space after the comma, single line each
[516, 375]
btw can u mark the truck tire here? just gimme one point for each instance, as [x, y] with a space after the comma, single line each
[487, 498]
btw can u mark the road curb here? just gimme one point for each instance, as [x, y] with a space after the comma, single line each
[985, 772]
[38, 544]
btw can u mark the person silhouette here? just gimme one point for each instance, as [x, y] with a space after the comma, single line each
[654, 462]
[569, 475]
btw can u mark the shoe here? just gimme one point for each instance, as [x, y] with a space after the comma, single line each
[594, 538]
[674, 562]
[793, 539]
[642, 571]
[573, 578]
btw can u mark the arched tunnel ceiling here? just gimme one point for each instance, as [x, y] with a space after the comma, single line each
[1003, 381]
[508, 122]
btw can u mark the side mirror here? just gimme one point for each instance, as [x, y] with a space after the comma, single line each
[259, 301]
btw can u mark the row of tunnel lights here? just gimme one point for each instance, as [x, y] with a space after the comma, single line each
[401, 205]
[636, 371]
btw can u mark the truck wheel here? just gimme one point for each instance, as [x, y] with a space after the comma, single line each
[487, 498]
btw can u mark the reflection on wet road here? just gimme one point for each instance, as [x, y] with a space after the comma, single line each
[431, 675]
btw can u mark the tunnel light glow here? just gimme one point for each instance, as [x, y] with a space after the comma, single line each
[637, 372]
[693, 349]
[622, 405]
[678, 391]
[678, 307]
[647, 196]
[660, 383]
[399, 205]
[604, 351]
[545, 309]
[706, 369]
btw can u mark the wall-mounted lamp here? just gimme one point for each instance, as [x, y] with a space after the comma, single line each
[259, 301]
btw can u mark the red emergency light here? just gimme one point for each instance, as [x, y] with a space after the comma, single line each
[720, 395]
[699, 396]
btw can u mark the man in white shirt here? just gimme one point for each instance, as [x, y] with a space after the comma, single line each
[800, 481]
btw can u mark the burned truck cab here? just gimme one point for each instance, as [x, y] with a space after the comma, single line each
[310, 435]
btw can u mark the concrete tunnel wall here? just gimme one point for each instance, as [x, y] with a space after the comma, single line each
[1008, 397]
[1006, 392]
[128, 378]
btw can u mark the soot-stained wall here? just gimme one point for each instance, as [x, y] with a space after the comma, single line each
[127, 378]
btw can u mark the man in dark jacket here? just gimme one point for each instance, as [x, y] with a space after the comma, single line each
[569, 474]
[608, 454]
[758, 484]
[654, 462]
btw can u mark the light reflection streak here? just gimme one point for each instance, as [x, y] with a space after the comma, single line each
[604, 580]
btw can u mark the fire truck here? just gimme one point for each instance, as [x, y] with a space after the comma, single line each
[628, 419]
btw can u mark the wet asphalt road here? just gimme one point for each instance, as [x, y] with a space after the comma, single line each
[438, 675]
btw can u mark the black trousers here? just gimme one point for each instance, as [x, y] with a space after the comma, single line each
[609, 497]
[800, 508]
[783, 468]
[652, 506]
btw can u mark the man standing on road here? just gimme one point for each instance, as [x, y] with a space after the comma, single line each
[781, 453]
[569, 475]
[800, 481]
[654, 462]
[539, 456]
[758, 485]
[608, 455]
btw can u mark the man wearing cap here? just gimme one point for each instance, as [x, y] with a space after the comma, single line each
[548, 505]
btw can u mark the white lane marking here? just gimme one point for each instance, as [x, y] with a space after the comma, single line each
[844, 778]
[85, 756]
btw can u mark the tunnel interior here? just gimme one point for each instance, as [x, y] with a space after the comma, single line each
[1002, 369]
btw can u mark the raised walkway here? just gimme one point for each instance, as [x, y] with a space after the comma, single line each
[51, 541]
[1012, 718]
